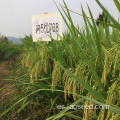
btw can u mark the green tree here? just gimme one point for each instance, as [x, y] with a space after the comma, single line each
[102, 19]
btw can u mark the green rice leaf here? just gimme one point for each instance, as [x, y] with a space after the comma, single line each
[117, 3]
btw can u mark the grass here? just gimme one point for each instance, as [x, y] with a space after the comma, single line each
[84, 65]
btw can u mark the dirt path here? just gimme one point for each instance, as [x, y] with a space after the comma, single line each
[6, 86]
[4, 72]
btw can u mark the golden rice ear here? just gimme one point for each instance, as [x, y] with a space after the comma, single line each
[89, 113]
[23, 63]
[101, 115]
[37, 70]
[112, 99]
[65, 91]
[67, 85]
[115, 117]
[46, 63]
[32, 80]
[27, 60]
[56, 75]
[106, 71]
[113, 93]
[74, 90]
[82, 71]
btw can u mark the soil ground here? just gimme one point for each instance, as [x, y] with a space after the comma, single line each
[5, 73]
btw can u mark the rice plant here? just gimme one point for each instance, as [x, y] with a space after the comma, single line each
[84, 64]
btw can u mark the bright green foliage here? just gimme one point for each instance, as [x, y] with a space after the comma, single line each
[85, 59]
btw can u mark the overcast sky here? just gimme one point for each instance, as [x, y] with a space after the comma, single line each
[16, 15]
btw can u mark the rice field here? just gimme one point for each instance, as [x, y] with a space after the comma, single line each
[81, 69]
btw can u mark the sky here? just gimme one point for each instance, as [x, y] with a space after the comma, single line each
[16, 15]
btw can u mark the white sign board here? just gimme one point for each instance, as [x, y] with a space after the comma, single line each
[46, 25]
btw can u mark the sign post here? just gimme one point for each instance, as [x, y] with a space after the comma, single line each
[46, 25]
